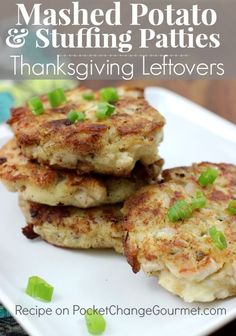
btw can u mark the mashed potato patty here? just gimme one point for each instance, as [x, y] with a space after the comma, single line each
[182, 254]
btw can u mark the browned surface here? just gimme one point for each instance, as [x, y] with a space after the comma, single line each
[34, 179]
[71, 227]
[53, 133]
[218, 96]
[76, 219]
[52, 125]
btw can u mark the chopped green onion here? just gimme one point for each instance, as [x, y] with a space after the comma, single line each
[39, 289]
[180, 210]
[36, 106]
[109, 95]
[199, 201]
[95, 322]
[218, 238]
[75, 116]
[104, 110]
[56, 97]
[208, 177]
[88, 95]
[72, 116]
[232, 207]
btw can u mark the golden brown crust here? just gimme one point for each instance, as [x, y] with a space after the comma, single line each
[72, 227]
[183, 251]
[111, 146]
[43, 184]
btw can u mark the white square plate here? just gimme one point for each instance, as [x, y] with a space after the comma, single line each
[103, 278]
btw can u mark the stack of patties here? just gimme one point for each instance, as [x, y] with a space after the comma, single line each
[76, 156]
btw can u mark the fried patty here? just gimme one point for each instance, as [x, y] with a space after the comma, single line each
[110, 146]
[182, 254]
[74, 228]
[43, 184]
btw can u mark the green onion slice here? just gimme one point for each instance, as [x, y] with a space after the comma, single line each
[75, 116]
[95, 322]
[208, 177]
[199, 201]
[88, 95]
[109, 95]
[57, 97]
[232, 207]
[104, 110]
[39, 289]
[180, 210]
[218, 238]
[36, 106]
